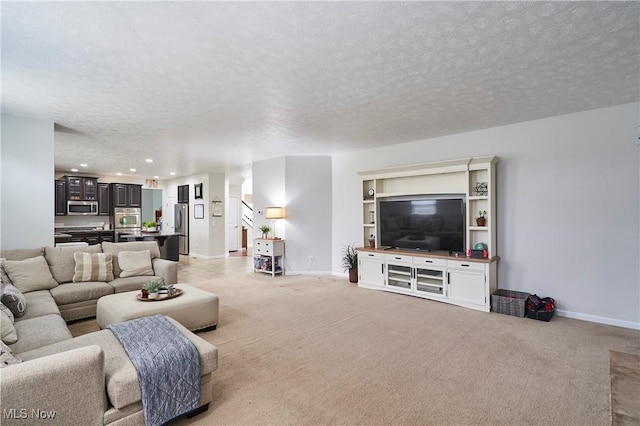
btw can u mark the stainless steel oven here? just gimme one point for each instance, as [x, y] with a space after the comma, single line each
[85, 208]
[126, 218]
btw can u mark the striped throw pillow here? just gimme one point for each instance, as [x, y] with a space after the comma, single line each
[93, 267]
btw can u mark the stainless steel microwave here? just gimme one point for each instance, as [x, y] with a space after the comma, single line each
[85, 208]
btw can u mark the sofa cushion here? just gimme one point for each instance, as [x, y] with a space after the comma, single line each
[93, 267]
[30, 274]
[7, 329]
[115, 248]
[21, 254]
[130, 283]
[61, 260]
[39, 303]
[7, 312]
[6, 356]
[13, 299]
[135, 263]
[120, 374]
[121, 377]
[39, 332]
[78, 292]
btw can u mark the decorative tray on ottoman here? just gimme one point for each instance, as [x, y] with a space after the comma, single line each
[159, 299]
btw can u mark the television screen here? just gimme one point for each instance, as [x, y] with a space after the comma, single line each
[428, 223]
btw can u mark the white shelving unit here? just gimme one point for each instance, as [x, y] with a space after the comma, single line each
[268, 256]
[453, 279]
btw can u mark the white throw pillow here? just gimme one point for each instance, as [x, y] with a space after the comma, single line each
[7, 330]
[93, 267]
[30, 274]
[135, 263]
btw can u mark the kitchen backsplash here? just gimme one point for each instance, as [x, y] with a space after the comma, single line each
[84, 221]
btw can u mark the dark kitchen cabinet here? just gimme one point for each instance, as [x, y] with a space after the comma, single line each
[82, 188]
[135, 196]
[104, 203]
[119, 194]
[125, 195]
[183, 193]
[61, 197]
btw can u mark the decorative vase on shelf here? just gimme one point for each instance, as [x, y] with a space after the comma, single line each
[481, 221]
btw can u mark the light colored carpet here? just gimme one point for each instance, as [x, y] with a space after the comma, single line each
[318, 350]
[625, 389]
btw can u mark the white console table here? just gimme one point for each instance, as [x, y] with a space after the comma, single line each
[268, 256]
[460, 281]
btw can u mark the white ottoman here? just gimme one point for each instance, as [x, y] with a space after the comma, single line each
[195, 309]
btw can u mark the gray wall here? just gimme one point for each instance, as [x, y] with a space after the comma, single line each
[568, 206]
[302, 184]
[308, 223]
[27, 183]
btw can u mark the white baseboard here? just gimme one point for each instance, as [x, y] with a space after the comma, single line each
[600, 320]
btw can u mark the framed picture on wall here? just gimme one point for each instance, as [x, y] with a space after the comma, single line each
[198, 190]
[216, 207]
[198, 211]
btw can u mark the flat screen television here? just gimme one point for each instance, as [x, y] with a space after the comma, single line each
[425, 222]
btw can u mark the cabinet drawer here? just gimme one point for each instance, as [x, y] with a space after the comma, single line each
[425, 261]
[264, 243]
[370, 255]
[475, 266]
[264, 250]
[263, 247]
[398, 258]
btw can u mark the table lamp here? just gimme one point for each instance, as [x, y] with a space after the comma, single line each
[274, 213]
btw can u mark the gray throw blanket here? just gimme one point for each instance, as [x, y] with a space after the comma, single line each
[167, 363]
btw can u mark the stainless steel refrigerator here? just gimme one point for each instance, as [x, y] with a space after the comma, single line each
[181, 227]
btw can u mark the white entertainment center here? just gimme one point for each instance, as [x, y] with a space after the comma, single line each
[447, 276]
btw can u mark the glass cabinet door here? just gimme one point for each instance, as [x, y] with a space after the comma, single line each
[399, 276]
[430, 281]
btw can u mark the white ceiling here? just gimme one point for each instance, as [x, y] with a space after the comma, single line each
[214, 86]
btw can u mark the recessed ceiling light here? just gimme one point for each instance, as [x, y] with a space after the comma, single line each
[74, 170]
[132, 170]
[172, 173]
[119, 174]
[156, 177]
[83, 165]
[149, 160]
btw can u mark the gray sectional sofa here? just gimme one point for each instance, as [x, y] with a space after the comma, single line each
[87, 379]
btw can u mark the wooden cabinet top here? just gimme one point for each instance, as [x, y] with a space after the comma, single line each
[438, 255]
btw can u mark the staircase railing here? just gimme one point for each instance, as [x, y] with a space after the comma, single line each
[247, 214]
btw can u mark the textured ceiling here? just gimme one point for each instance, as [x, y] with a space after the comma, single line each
[213, 86]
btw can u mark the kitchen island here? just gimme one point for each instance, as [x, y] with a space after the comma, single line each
[167, 241]
[82, 234]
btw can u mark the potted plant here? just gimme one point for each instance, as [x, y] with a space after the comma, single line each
[481, 220]
[265, 231]
[372, 241]
[350, 262]
[152, 288]
[149, 226]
